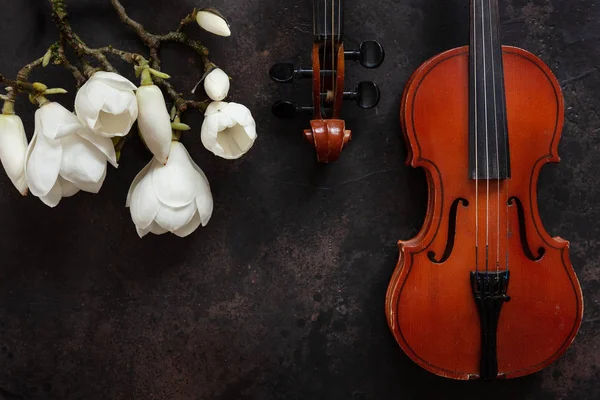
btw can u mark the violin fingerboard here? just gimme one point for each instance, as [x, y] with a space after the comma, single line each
[328, 19]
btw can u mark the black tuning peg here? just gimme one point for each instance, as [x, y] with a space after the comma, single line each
[288, 109]
[286, 73]
[371, 54]
[366, 95]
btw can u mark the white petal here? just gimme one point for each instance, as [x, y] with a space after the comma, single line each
[107, 110]
[228, 130]
[213, 23]
[82, 163]
[13, 149]
[210, 128]
[209, 133]
[88, 104]
[142, 232]
[53, 197]
[93, 187]
[154, 121]
[216, 84]
[229, 143]
[157, 229]
[137, 180]
[204, 198]
[116, 101]
[190, 227]
[117, 124]
[204, 204]
[215, 107]
[173, 219]
[240, 114]
[104, 144]
[43, 164]
[153, 228]
[175, 184]
[54, 121]
[68, 188]
[144, 204]
[115, 80]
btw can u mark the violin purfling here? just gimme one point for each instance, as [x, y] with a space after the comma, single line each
[483, 291]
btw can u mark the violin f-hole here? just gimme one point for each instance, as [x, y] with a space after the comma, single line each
[523, 231]
[451, 232]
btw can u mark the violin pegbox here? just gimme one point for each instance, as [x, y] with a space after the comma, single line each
[328, 133]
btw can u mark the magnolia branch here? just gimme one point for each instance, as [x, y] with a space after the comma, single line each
[83, 69]
[20, 84]
[154, 41]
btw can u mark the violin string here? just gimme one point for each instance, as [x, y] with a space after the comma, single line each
[321, 78]
[496, 134]
[487, 161]
[333, 52]
[339, 27]
[506, 181]
[339, 20]
[476, 118]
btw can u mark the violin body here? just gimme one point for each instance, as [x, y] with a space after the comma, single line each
[431, 303]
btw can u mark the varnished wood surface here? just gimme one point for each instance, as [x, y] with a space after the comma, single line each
[328, 135]
[430, 307]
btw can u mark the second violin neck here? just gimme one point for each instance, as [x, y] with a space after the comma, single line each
[328, 19]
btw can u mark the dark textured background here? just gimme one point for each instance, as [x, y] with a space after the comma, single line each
[281, 296]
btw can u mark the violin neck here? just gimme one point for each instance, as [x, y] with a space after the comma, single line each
[488, 147]
[328, 19]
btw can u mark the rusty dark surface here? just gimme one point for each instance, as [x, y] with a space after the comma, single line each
[282, 295]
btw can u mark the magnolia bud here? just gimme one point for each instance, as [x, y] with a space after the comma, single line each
[216, 84]
[154, 121]
[213, 22]
[13, 146]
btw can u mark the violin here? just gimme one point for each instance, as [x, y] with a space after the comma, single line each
[328, 133]
[483, 291]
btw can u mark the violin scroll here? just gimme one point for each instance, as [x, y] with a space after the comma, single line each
[328, 133]
[329, 138]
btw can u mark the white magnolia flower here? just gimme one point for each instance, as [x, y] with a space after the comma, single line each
[228, 130]
[106, 104]
[213, 22]
[13, 147]
[216, 84]
[154, 121]
[65, 156]
[172, 198]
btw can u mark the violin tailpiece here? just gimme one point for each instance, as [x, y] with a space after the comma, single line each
[489, 291]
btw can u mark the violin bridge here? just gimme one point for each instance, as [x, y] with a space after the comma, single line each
[489, 291]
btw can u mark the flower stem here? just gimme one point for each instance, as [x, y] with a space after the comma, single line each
[188, 19]
[8, 108]
[146, 78]
[41, 100]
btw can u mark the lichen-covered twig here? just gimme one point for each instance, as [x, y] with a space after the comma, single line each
[61, 59]
[180, 102]
[99, 56]
[188, 19]
[154, 41]
[17, 86]
[20, 84]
